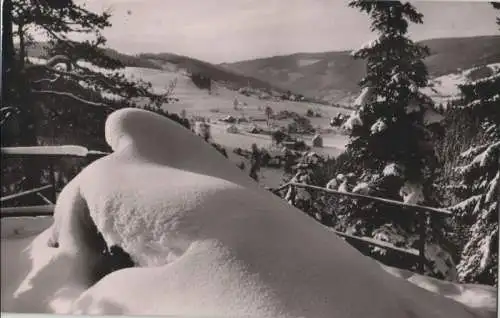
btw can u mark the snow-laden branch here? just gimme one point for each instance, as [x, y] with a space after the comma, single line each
[6, 113]
[52, 62]
[465, 204]
[50, 80]
[84, 101]
[480, 160]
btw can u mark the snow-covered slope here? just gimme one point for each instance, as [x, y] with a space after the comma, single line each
[445, 88]
[207, 241]
[18, 233]
[197, 102]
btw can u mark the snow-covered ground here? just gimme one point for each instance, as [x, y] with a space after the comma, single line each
[220, 103]
[333, 144]
[226, 246]
[18, 233]
[445, 88]
[16, 236]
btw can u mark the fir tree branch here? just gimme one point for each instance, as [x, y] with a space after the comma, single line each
[50, 80]
[66, 94]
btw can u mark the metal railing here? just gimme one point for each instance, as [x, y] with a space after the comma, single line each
[424, 213]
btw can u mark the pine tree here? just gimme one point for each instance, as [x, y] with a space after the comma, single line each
[390, 132]
[92, 82]
[47, 104]
[479, 181]
[392, 125]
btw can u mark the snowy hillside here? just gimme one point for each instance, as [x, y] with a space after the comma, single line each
[444, 88]
[218, 104]
[334, 76]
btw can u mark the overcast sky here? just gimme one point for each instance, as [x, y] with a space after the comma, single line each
[230, 30]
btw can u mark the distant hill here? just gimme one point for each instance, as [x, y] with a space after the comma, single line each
[334, 76]
[39, 50]
[215, 72]
[173, 62]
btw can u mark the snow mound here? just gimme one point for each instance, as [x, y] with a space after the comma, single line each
[206, 240]
[481, 298]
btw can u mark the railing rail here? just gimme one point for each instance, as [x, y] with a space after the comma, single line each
[51, 154]
[32, 210]
[419, 208]
[55, 152]
[25, 193]
[423, 214]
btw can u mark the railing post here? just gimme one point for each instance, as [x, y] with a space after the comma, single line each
[422, 218]
[52, 180]
[292, 193]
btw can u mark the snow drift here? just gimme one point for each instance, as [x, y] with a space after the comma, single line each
[205, 239]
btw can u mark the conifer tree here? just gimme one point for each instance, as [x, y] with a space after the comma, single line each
[92, 83]
[65, 98]
[390, 132]
[392, 123]
[478, 186]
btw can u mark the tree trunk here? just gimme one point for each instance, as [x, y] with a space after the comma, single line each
[15, 93]
[8, 61]
[22, 46]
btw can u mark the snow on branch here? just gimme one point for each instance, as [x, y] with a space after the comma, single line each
[50, 80]
[473, 151]
[353, 121]
[392, 169]
[367, 46]
[378, 127]
[493, 188]
[465, 204]
[480, 160]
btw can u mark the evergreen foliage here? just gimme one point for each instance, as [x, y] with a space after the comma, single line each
[66, 98]
[478, 182]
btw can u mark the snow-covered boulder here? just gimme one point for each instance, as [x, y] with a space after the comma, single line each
[208, 241]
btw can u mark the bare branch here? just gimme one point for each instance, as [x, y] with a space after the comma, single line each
[87, 102]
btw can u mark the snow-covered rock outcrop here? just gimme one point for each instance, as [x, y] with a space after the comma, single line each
[206, 241]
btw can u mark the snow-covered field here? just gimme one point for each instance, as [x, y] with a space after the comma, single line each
[219, 104]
